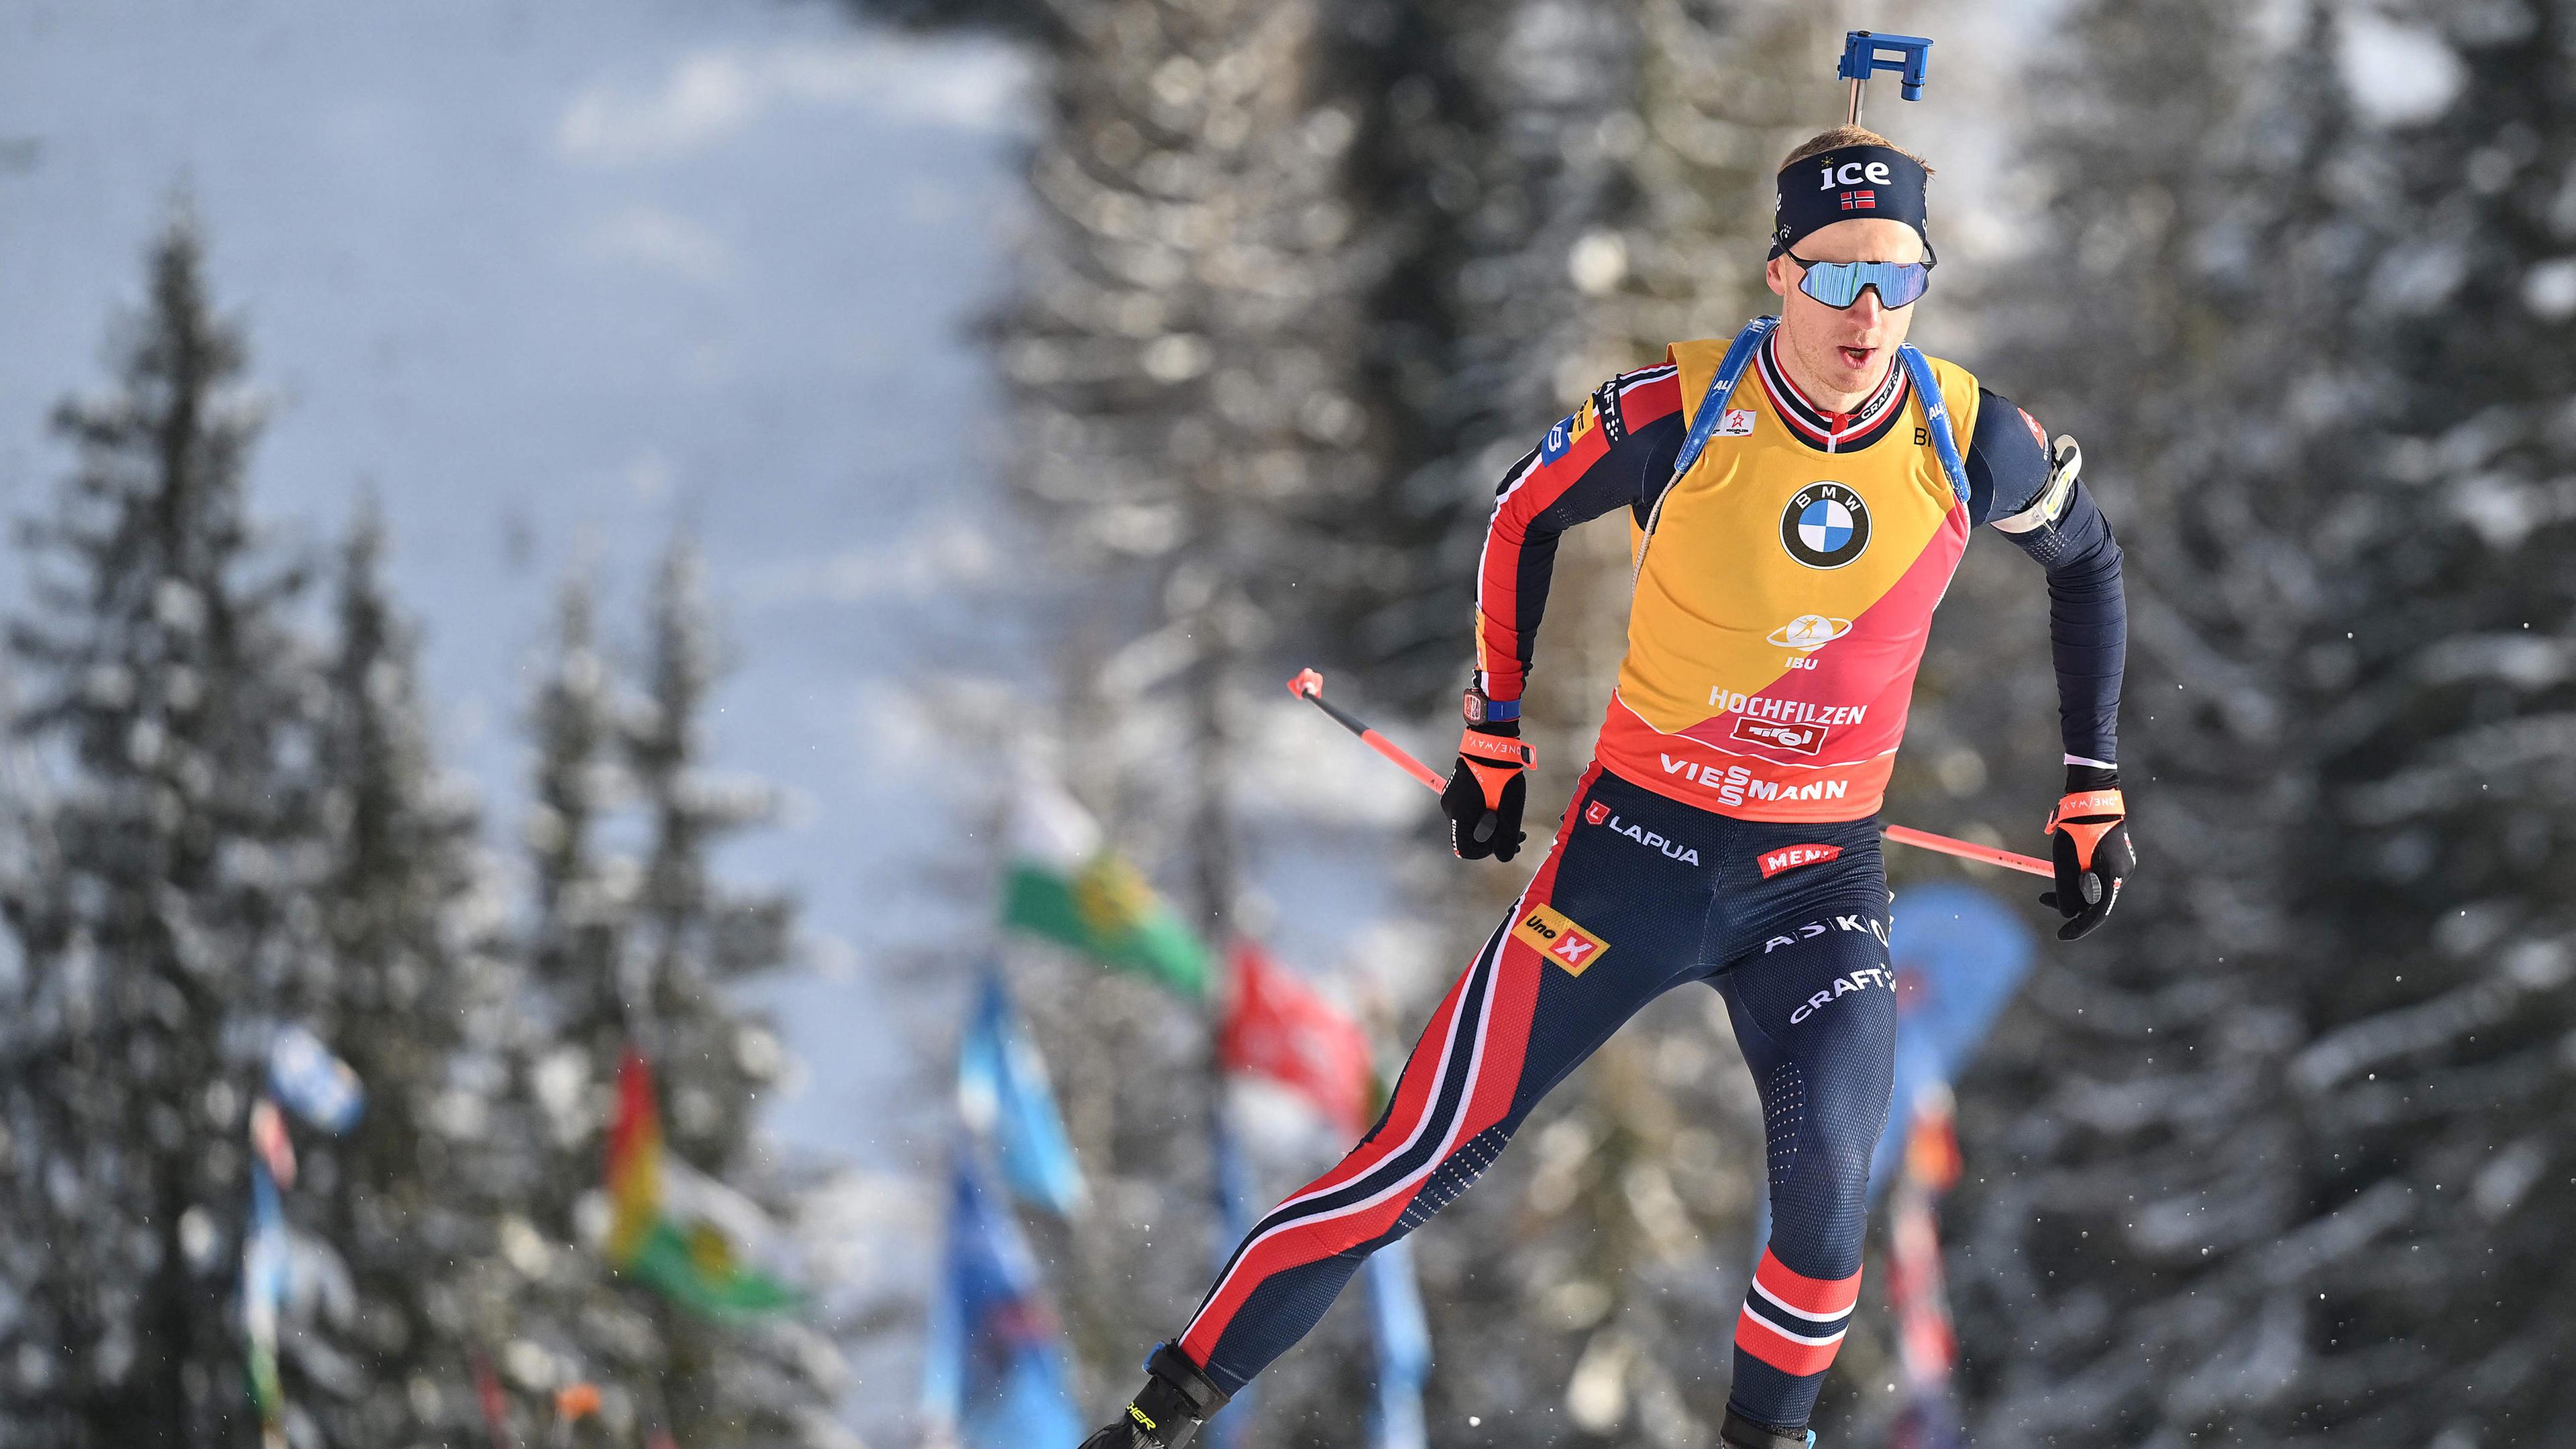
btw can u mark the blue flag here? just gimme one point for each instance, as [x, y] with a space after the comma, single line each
[1002, 1090]
[1959, 955]
[320, 1087]
[995, 1371]
[1403, 1347]
[1232, 1181]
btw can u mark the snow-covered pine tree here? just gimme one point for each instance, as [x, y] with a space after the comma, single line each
[756, 1382]
[628, 954]
[2153, 1214]
[2434, 857]
[575, 1321]
[166, 925]
[414, 1199]
[1176, 352]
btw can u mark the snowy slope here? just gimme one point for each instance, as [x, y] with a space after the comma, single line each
[556, 279]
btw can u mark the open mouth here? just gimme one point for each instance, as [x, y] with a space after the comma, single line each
[1857, 356]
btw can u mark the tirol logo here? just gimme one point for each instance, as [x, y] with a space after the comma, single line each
[1554, 935]
[1806, 739]
[1735, 423]
[1825, 526]
[1595, 813]
[1790, 857]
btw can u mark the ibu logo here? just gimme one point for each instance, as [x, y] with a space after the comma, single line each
[1825, 526]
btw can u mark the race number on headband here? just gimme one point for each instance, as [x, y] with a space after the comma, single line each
[1851, 181]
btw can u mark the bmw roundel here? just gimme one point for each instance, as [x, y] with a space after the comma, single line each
[1825, 526]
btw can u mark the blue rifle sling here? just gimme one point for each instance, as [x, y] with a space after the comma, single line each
[1919, 367]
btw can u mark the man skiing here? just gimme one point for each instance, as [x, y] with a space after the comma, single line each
[1798, 500]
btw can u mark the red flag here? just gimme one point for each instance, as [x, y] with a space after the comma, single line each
[1279, 1028]
[268, 1138]
[1927, 1346]
[496, 1404]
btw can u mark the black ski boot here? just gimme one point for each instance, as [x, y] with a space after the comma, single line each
[1167, 1412]
[1739, 1432]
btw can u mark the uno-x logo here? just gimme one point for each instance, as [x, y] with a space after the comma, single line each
[1600, 814]
[1554, 935]
[1813, 929]
[1790, 857]
[1861, 980]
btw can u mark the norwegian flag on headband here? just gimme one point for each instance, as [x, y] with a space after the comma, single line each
[1279, 1028]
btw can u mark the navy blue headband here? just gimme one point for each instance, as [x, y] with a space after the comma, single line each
[1848, 182]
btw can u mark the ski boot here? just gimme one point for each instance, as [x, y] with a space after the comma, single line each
[1167, 1412]
[1739, 1432]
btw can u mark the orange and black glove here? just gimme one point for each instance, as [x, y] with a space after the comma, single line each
[2088, 842]
[1486, 791]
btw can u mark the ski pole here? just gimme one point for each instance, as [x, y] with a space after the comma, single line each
[1309, 686]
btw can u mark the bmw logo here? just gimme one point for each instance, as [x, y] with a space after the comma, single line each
[1825, 526]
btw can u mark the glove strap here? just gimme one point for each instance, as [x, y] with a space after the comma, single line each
[1492, 749]
[2086, 802]
[1495, 761]
[2105, 810]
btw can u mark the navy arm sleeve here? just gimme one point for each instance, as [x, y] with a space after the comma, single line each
[2009, 477]
[1616, 451]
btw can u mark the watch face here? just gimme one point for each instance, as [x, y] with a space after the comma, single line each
[1473, 707]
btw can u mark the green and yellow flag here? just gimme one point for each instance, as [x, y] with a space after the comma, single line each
[685, 1234]
[1066, 885]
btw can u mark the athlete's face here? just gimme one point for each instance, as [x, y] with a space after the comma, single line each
[1842, 353]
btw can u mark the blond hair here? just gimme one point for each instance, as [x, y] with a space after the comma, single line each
[1841, 136]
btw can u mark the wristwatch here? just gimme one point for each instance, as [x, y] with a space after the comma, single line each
[1480, 710]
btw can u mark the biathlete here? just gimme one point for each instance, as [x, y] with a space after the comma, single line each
[1798, 499]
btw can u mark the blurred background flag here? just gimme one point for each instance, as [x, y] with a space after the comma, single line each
[1278, 1028]
[994, 1375]
[269, 1142]
[1918, 1299]
[317, 1086]
[697, 1241]
[1003, 1092]
[1403, 1347]
[1066, 885]
[265, 1264]
[1959, 955]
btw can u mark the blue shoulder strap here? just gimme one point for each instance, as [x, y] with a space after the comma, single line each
[1712, 407]
[1919, 367]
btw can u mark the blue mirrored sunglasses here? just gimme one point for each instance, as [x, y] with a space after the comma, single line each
[1839, 284]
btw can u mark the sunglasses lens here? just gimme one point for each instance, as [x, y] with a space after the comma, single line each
[1901, 286]
[1836, 284]
[1839, 284]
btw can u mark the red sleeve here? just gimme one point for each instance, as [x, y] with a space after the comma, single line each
[1616, 451]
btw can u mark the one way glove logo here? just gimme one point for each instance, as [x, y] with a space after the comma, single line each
[2088, 837]
[1554, 935]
